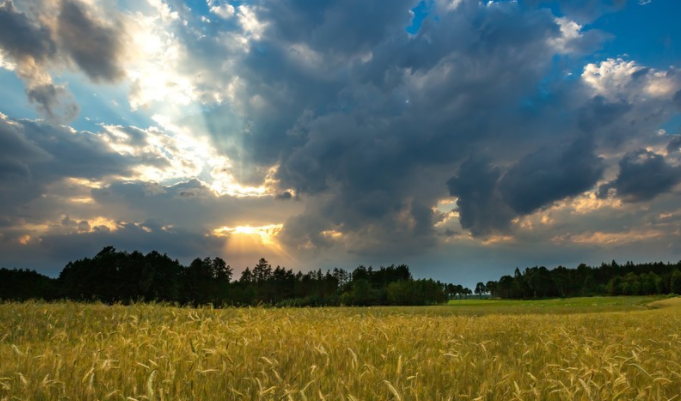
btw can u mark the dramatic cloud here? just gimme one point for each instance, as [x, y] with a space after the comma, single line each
[93, 46]
[31, 47]
[190, 205]
[488, 201]
[21, 38]
[323, 26]
[549, 175]
[38, 41]
[675, 144]
[284, 196]
[16, 177]
[62, 190]
[628, 101]
[354, 121]
[54, 102]
[643, 176]
[481, 207]
[336, 130]
[408, 111]
[34, 156]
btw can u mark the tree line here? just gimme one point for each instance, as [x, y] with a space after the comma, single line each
[606, 279]
[116, 276]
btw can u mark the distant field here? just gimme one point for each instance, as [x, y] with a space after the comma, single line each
[552, 306]
[622, 348]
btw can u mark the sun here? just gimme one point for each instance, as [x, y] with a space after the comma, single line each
[248, 241]
[263, 234]
[247, 230]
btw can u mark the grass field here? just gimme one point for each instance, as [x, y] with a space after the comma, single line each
[615, 348]
[553, 306]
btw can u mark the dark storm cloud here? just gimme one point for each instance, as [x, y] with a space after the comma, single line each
[481, 207]
[14, 145]
[677, 100]
[462, 63]
[597, 113]
[286, 195]
[324, 25]
[675, 144]
[190, 205]
[13, 169]
[20, 37]
[17, 153]
[361, 182]
[365, 124]
[53, 102]
[549, 175]
[307, 229]
[643, 176]
[93, 47]
[368, 229]
[74, 154]
[490, 198]
[35, 155]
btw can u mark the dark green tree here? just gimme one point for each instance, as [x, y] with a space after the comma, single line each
[480, 289]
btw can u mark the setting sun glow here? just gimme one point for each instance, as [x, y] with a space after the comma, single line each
[266, 234]
[248, 242]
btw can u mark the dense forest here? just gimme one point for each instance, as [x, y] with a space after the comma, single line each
[115, 276]
[607, 279]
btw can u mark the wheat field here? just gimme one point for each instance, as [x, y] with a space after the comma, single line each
[69, 351]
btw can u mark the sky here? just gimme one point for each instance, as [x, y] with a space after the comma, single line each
[463, 138]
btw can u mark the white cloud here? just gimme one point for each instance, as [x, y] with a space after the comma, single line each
[570, 31]
[250, 23]
[221, 8]
[618, 79]
[164, 10]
